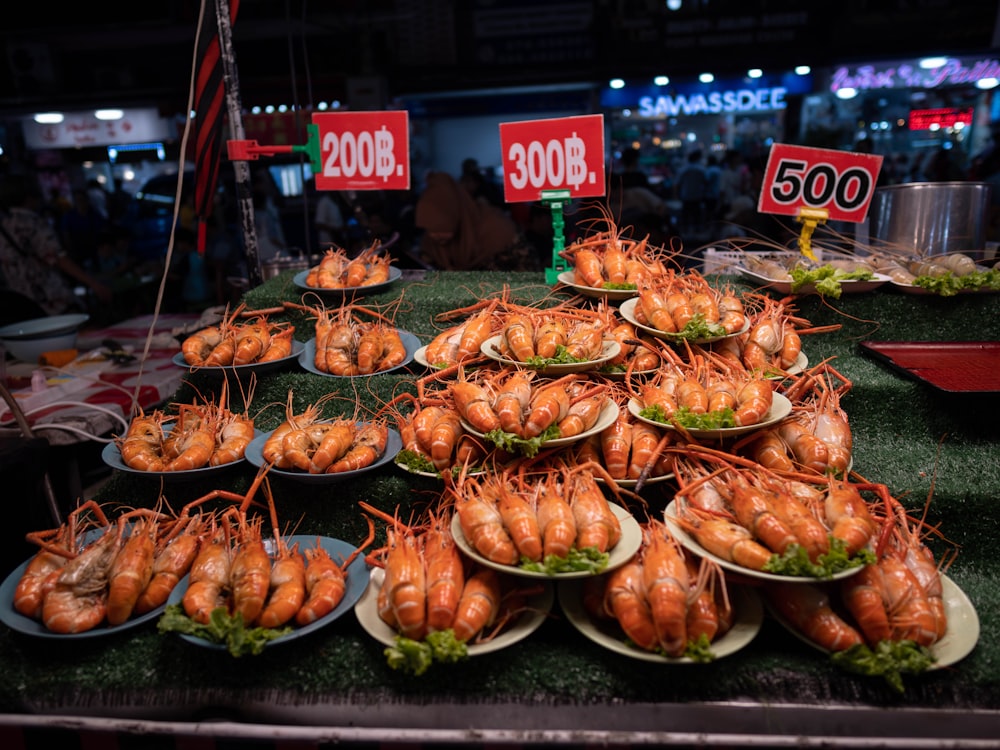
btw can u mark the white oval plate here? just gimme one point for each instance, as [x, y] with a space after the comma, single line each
[253, 367]
[620, 554]
[255, 455]
[307, 357]
[747, 608]
[848, 286]
[607, 417]
[689, 543]
[356, 578]
[539, 605]
[781, 407]
[350, 292]
[958, 641]
[609, 350]
[628, 312]
[612, 295]
[435, 474]
[629, 484]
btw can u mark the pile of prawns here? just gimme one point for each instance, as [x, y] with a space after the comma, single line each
[241, 338]
[95, 570]
[198, 435]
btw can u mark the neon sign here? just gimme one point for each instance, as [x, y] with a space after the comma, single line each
[954, 72]
[744, 100]
[944, 117]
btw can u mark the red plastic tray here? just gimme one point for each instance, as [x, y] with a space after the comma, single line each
[956, 367]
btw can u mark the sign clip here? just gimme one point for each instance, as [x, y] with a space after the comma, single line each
[810, 218]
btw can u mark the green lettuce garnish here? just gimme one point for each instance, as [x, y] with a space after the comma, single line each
[588, 559]
[889, 659]
[528, 447]
[698, 328]
[222, 627]
[712, 420]
[948, 284]
[415, 461]
[416, 657]
[699, 650]
[562, 357]
[826, 279]
[625, 286]
[795, 561]
[684, 417]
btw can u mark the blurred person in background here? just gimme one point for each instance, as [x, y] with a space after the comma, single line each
[33, 262]
[690, 188]
[328, 218]
[460, 233]
[80, 227]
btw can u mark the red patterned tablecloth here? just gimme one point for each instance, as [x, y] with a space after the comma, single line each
[92, 397]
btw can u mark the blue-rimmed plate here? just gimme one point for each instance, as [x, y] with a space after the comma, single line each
[28, 626]
[307, 358]
[255, 455]
[112, 456]
[252, 368]
[349, 292]
[356, 581]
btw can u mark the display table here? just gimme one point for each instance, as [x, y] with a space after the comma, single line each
[90, 396]
[556, 686]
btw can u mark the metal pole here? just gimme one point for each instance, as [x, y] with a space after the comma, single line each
[244, 191]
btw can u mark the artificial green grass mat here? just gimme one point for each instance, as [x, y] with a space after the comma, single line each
[930, 448]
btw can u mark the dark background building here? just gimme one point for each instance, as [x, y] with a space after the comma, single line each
[139, 54]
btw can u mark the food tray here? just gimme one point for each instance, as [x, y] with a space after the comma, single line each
[951, 366]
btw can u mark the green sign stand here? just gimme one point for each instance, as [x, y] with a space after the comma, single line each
[555, 200]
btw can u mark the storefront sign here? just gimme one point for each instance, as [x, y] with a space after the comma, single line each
[954, 72]
[83, 129]
[798, 177]
[558, 154]
[363, 150]
[735, 95]
[714, 102]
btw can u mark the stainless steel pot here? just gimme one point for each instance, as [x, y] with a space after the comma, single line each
[280, 263]
[930, 218]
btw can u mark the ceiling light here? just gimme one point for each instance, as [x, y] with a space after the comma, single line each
[847, 93]
[755, 72]
[109, 114]
[616, 83]
[661, 80]
[49, 118]
[706, 78]
[929, 63]
[987, 83]
[802, 70]
[673, 4]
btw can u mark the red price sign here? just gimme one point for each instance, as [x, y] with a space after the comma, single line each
[560, 154]
[363, 150]
[842, 182]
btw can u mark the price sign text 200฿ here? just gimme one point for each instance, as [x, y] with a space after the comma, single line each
[363, 150]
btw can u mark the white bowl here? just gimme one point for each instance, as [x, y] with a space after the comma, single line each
[30, 350]
[30, 339]
[40, 328]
